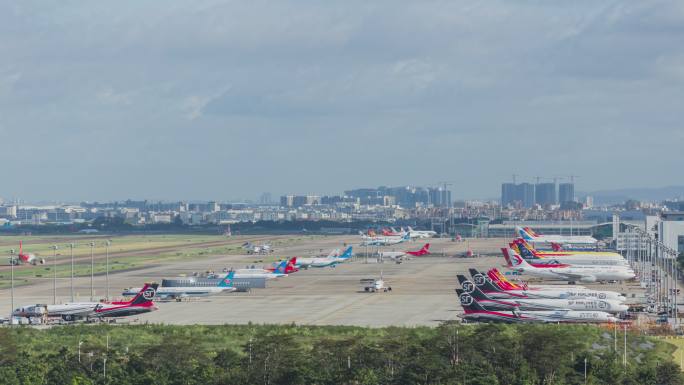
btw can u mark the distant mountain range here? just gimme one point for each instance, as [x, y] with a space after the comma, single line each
[655, 194]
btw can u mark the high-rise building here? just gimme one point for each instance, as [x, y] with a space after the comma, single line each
[508, 194]
[265, 198]
[545, 194]
[313, 200]
[299, 200]
[439, 197]
[287, 200]
[566, 193]
[526, 194]
[517, 194]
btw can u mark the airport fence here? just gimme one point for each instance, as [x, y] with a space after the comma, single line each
[656, 267]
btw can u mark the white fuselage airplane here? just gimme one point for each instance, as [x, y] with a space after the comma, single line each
[180, 292]
[559, 239]
[535, 304]
[257, 249]
[258, 273]
[570, 273]
[421, 233]
[491, 289]
[142, 303]
[475, 311]
[400, 255]
[569, 257]
[384, 241]
[331, 260]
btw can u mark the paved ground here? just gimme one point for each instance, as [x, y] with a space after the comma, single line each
[423, 288]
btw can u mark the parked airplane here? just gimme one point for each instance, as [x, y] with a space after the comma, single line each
[391, 232]
[474, 311]
[421, 233]
[179, 293]
[329, 261]
[290, 267]
[499, 278]
[25, 258]
[251, 248]
[263, 273]
[536, 259]
[530, 236]
[493, 289]
[532, 304]
[141, 303]
[369, 233]
[399, 255]
[570, 272]
[384, 241]
[528, 250]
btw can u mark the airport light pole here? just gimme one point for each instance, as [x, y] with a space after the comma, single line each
[71, 246]
[624, 357]
[54, 274]
[107, 269]
[12, 283]
[92, 271]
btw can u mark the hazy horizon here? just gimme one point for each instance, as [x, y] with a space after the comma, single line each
[220, 100]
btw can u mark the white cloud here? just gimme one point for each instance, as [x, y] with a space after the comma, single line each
[267, 85]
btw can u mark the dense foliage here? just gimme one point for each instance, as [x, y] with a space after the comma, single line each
[249, 354]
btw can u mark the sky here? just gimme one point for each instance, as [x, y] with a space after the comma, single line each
[224, 100]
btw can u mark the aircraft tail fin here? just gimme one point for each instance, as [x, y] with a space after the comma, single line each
[469, 304]
[514, 260]
[524, 234]
[503, 282]
[525, 250]
[471, 288]
[145, 295]
[483, 281]
[281, 267]
[347, 253]
[228, 280]
[531, 232]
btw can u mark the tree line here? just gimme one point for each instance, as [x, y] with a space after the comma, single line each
[289, 354]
